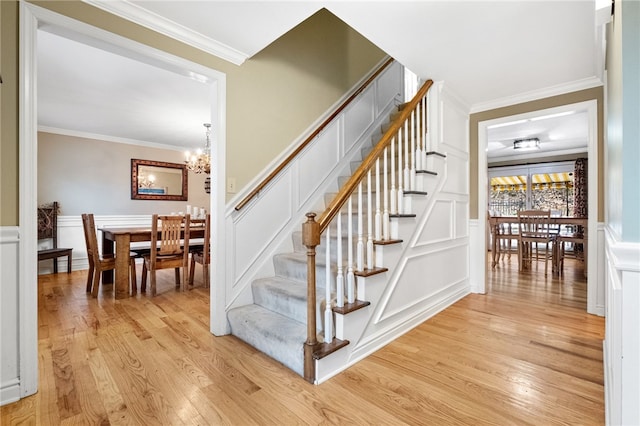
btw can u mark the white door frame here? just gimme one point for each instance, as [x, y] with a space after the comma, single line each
[31, 18]
[592, 153]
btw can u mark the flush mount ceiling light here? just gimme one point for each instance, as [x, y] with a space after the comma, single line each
[524, 144]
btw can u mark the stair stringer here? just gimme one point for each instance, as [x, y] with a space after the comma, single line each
[389, 315]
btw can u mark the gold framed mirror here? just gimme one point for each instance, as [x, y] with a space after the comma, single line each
[158, 180]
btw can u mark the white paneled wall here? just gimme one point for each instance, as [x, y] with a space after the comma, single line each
[622, 334]
[430, 269]
[264, 226]
[9, 332]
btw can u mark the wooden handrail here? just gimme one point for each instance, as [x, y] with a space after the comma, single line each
[311, 230]
[351, 184]
[308, 140]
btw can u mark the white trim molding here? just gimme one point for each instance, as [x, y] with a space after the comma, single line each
[155, 22]
[622, 336]
[595, 283]
[9, 350]
[31, 16]
[586, 83]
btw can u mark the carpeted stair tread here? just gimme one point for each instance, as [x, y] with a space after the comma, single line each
[287, 297]
[294, 267]
[276, 335]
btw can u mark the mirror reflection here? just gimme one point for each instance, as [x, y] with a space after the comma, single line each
[158, 180]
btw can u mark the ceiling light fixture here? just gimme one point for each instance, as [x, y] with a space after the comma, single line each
[546, 117]
[200, 162]
[525, 144]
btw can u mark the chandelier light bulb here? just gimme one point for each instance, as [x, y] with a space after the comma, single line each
[200, 162]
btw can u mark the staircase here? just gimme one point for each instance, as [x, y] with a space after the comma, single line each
[276, 322]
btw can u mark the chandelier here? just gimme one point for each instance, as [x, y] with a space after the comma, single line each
[145, 181]
[200, 161]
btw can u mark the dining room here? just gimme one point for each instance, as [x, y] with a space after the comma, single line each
[539, 162]
[122, 174]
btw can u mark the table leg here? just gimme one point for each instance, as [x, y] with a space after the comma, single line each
[123, 245]
[585, 246]
[494, 246]
[107, 250]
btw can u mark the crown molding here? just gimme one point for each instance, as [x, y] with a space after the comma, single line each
[561, 89]
[107, 138]
[131, 12]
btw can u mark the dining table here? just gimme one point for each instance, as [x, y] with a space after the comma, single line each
[512, 223]
[121, 238]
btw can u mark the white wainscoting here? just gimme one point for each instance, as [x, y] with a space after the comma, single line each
[9, 320]
[71, 234]
[430, 270]
[622, 334]
[265, 225]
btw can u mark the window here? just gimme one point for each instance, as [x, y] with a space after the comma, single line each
[546, 186]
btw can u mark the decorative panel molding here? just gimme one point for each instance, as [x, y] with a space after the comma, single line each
[422, 278]
[9, 319]
[454, 126]
[261, 224]
[358, 117]
[265, 225]
[315, 161]
[622, 344]
[462, 219]
[438, 226]
[458, 172]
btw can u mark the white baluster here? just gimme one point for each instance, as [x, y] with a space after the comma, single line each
[340, 276]
[385, 214]
[328, 314]
[360, 245]
[419, 138]
[393, 207]
[351, 285]
[400, 193]
[413, 150]
[378, 218]
[428, 127]
[423, 133]
[369, 223]
[407, 171]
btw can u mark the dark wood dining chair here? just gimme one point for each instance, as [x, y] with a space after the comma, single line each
[48, 229]
[201, 253]
[576, 240]
[169, 249]
[99, 263]
[534, 230]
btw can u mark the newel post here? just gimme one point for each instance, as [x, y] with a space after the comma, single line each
[310, 239]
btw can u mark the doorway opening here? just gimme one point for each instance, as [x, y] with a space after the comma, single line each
[32, 18]
[590, 107]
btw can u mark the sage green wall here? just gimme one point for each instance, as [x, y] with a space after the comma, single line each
[8, 113]
[596, 93]
[271, 98]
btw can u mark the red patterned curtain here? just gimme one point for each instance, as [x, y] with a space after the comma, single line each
[580, 190]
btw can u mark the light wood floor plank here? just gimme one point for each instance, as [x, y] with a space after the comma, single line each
[525, 353]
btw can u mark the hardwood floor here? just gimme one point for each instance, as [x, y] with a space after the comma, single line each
[525, 353]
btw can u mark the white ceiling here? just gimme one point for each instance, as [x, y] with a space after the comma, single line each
[485, 51]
